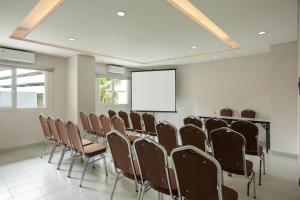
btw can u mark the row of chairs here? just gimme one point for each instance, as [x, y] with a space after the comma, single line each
[68, 136]
[247, 113]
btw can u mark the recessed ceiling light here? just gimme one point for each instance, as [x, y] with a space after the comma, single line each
[215, 57]
[194, 47]
[261, 32]
[121, 13]
[71, 38]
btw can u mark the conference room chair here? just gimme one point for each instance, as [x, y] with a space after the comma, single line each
[96, 128]
[226, 112]
[250, 132]
[54, 132]
[122, 157]
[248, 113]
[85, 124]
[154, 168]
[199, 175]
[124, 116]
[167, 136]
[150, 124]
[88, 152]
[136, 122]
[111, 114]
[193, 135]
[47, 133]
[212, 124]
[119, 126]
[105, 124]
[229, 150]
[193, 120]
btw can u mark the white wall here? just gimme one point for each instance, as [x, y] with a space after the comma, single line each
[72, 71]
[265, 83]
[21, 126]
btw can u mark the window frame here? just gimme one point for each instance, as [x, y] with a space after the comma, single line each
[14, 91]
[113, 90]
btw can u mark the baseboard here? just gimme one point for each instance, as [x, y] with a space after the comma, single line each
[289, 155]
[21, 147]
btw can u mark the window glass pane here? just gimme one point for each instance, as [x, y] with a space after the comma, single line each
[5, 87]
[105, 90]
[31, 90]
[121, 85]
[121, 97]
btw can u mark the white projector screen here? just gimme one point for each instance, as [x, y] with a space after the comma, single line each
[154, 91]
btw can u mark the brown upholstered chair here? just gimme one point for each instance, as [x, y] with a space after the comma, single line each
[154, 168]
[212, 124]
[248, 113]
[122, 156]
[136, 122]
[229, 150]
[56, 137]
[125, 118]
[199, 176]
[47, 133]
[149, 123]
[105, 124]
[193, 120]
[250, 132]
[226, 112]
[119, 126]
[192, 135]
[96, 128]
[85, 123]
[88, 152]
[111, 114]
[167, 136]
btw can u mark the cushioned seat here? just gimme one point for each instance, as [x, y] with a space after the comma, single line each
[86, 142]
[254, 151]
[137, 172]
[94, 149]
[240, 170]
[132, 138]
[229, 194]
[152, 134]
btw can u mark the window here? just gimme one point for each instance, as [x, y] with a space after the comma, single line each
[112, 90]
[22, 88]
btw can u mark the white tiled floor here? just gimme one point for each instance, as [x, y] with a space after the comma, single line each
[25, 176]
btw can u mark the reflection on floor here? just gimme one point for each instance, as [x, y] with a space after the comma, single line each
[25, 176]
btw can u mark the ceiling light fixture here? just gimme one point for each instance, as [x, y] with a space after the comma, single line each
[191, 11]
[194, 47]
[262, 33]
[215, 57]
[71, 38]
[121, 13]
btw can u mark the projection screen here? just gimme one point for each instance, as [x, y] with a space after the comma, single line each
[153, 91]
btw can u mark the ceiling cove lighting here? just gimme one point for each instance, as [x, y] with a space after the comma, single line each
[121, 13]
[41, 10]
[187, 8]
[262, 33]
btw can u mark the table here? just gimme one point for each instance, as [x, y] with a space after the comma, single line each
[264, 123]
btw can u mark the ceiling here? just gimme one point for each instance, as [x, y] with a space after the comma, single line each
[153, 32]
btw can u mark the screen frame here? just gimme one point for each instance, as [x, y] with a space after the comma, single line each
[153, 111]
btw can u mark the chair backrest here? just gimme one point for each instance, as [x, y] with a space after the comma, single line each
[111, 114]
[63, 133]
[152, 162]
[75, 137]
[53, 130]
[248, 113]
[85, 122]
[226, 112]
[95, 124]
[192, 135]
[125, 118]
[149, 123]
[193, 120]
[105, 123]
[118, 124]
[136, 121]
[45, 127]
[214, 123]
[121, 152]
[167, 136]
[249, 131]
[198, 175]
[229, 149]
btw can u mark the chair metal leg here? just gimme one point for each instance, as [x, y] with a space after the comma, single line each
[254, 186]
[44, 148]
[83, 173]
[264, 163]
[114, 188]
[52, 152]
[61, 158]
[104, 160]
[142, 192]
[259, 181]
[71, 166]
[248, 188]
